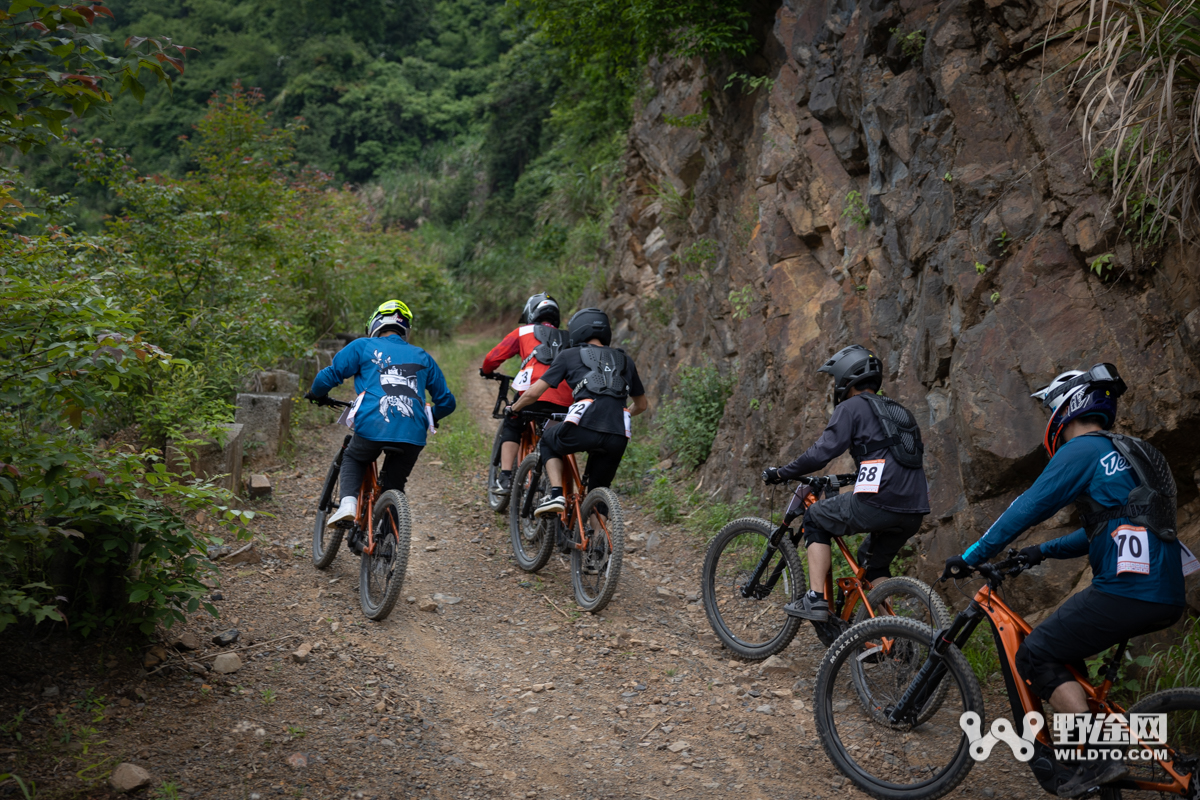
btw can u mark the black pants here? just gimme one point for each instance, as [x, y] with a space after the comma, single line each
[1086, 624]
[604, 451]
[396, 467]
[511, 427]
[846, 515]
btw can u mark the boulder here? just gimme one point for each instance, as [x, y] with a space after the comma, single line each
[258, 486]
[273, 381]
[128, 778]
[267, 420]
[777, 665]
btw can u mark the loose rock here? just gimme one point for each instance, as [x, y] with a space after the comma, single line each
[300, 655]
[227, 638]
[428, 604]
[297, 760]
[187, 641]
[677, 747]
[129, 778]
[258, 486]
[446, 599]
[777, 665]
[227, 663]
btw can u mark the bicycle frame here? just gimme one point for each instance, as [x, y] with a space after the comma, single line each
[529, 432]
[364, 519]
[1009, 629]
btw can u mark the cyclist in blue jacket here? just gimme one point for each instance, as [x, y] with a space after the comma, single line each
[391, 377]
[1137, 585]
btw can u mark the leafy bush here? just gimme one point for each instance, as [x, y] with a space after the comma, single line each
[664, 501]
[638, 462]
[690, 419]
[705, 516]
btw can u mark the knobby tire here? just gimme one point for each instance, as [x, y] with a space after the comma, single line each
[381, 574]
[326, 540]
[532, 538]
[496, 502]
[604, 553]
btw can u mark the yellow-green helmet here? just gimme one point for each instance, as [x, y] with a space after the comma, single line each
[390, 316]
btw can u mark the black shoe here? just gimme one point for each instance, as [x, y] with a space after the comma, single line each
[502, 486]
[551, 506]
[807, 608]
[1091, 776]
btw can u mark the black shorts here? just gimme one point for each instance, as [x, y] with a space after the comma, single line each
[846, 515]
[1086, 624]
[396, 467]
[604, 451]
[511, 426]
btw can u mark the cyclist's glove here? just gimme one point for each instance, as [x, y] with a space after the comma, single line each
[508, 412]
[483, 374]
[956, 567]
[312, 398]
[770, 476]
[1031, 555]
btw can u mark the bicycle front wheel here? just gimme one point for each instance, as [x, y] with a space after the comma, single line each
[496, 502]
[596, 569]
[326, 540]
[751, 621]
[902, 761]
[532, 538]
[381, 573]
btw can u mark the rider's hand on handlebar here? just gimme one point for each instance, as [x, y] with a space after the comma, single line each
[483, 374]
[956, 567]
[1031, 555]
[770, 476]
[508, 411]
[312, 398]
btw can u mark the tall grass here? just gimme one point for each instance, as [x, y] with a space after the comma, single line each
[459, 443]
[1140, 88]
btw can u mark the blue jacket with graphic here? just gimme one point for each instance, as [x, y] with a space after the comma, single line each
[395, 376]
[1091, 464]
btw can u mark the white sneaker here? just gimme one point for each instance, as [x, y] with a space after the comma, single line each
[348, 509]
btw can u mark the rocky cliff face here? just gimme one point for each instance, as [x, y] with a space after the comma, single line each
[932, 202]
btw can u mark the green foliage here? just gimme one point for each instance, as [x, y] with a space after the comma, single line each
[980, 268]
[911, 44]
[676, 205]
[1178, 665]
[167, 791]
[660, 309]
[664, 501]
[1003, 242]
[750, 83]
[1101, 264]
[707, 516]
[697, 120]
[855, 209]
[641, 454]
[981, 654]
[54, 66]
[28, 790]
[690, 419]
[459, 443]
[741, 300]
[994, 297]
[700, 254]
[1127, 686]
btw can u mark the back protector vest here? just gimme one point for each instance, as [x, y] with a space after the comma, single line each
[606, 377]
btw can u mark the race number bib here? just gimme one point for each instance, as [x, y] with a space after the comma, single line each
[577, 410]
[1133, 550]
[1190, 564]
[524, 380]
[870, 475]
[628, 424]
[348, 414]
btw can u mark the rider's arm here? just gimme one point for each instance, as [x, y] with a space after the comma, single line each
[531, 394]
[1073, 545]
[509, 346]
[640, 405]
[344, 366]
[443, 401]
[833, 442]
[1067, 474]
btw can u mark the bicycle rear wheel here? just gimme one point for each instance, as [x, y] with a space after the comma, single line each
[496, 502]
[596, 570]
[326, 540]
[381, 573]
[755, 626]
[1182, 731]
[902, 761]
[532, 538]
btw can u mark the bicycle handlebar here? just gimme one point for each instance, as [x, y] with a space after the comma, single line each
[326, 400]
[502, 394]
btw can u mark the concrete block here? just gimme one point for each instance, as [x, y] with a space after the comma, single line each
[212, 457]
[267, 419]
[258, 486]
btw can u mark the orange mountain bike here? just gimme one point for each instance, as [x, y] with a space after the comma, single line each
[530, 434]
[752, 569]
[380, 534]
[591, 529]
[896, 724]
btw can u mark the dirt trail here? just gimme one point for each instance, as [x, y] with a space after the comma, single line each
[503, 693]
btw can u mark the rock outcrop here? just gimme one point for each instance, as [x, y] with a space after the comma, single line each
[910, 178]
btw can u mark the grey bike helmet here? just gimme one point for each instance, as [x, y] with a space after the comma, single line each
[849, 367]
[540, 308]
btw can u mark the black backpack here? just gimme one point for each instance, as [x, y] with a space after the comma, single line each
[1151, 504]
[606, 377]
[550, 341]
[902, 435]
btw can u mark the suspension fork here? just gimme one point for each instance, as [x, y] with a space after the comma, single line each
[929, 677]
[750, 586]
[535, 479]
